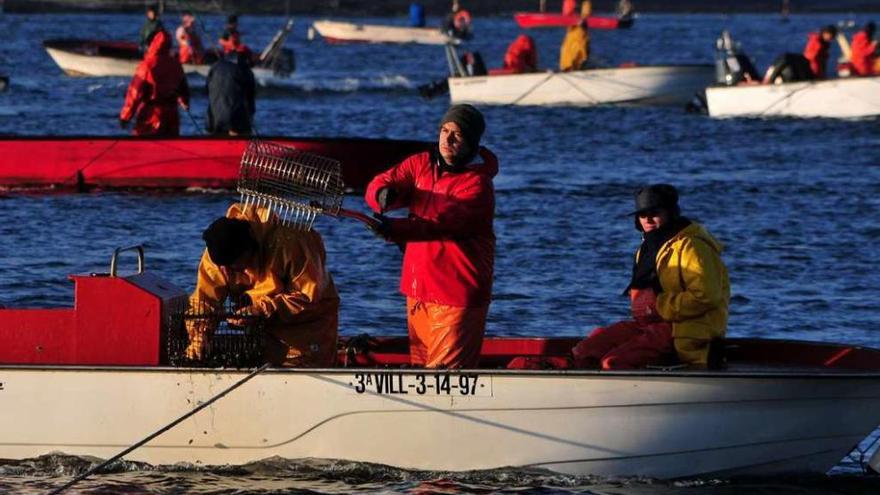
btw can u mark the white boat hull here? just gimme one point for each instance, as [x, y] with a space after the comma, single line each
[345, 32]
[81, 65]
[658, 85]
[663, 425]
[835, 98]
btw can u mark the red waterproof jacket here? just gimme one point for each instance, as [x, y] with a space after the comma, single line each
[450, 244]
[816, 52]
[863, 54]
[568, 7]
[155, 89]
[521, 56]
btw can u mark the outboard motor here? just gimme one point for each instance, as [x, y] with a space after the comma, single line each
[732, 66]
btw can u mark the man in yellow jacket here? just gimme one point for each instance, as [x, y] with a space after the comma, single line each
[283, 275]
[575, 50]
[679, 292]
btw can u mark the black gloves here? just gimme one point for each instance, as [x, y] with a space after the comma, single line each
[386, 197]
[382, 228]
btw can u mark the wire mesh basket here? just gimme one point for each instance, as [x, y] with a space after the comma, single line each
[212, 335]
[295, 185]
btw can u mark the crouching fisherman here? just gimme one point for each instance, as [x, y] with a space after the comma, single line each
[283, 274]
[679, 293]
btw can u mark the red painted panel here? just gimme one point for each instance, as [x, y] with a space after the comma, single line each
[126, 162]
[31, 336]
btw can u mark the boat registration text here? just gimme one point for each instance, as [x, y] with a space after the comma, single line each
[437, 384]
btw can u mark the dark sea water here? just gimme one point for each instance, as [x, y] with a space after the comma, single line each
[796, 203]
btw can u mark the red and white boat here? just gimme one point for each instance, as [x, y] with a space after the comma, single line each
[80, 163]
[95, 378]
[530, 20]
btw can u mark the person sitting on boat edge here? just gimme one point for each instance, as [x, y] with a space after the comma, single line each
[575, 50]
[449, 240]
[864, 52]
[283, 274]
[231, 96]
[190, 49]
[816, 51]
[156, 89]
[679, 292]
[149, 28]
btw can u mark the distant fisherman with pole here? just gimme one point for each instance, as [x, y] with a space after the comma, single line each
[575, 50]
[156, 89]
[231, 96]
[448, 237]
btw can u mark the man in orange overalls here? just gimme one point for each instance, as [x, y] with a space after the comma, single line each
[450, 243]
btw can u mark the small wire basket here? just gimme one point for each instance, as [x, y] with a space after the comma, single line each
[227, 336]
[297, 186]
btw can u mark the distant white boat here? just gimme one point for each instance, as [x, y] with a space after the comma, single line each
[346, 32]
[102, 58]
[835, 98]
[654, 85]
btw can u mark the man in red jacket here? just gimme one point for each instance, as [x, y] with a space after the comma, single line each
[155, 90]
[864, 51]
[450, 243]
[816, 51]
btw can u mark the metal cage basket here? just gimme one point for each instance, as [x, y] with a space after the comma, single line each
[229, 337]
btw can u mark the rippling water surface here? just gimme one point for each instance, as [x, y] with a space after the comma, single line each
[795, 202]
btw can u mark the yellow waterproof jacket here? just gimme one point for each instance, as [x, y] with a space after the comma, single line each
[291, 287]
[696, 291]
[575, 49]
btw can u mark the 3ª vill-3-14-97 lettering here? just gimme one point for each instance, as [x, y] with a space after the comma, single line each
[460, 384]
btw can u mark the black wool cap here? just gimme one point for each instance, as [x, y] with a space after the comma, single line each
[469, 119]
[227, 239]
[656, 196]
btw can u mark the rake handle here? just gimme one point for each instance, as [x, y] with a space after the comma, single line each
[370, 221]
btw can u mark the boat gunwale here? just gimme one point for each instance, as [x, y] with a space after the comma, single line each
[791, 84]
[642, 373]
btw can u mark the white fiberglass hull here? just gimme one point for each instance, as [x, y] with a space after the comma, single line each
[658, 85]
[80, 65]
[835, 98]
[345, 32]
[656, 424]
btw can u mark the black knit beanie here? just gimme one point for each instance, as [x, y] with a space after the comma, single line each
[469, 119]
[227, 239]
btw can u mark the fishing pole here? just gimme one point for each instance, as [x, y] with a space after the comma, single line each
[162, 430]
[195, 124]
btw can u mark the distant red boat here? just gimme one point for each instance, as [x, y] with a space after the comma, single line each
[529, 20]
[85, 163]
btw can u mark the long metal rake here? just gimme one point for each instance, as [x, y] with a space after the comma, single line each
[295, 185]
